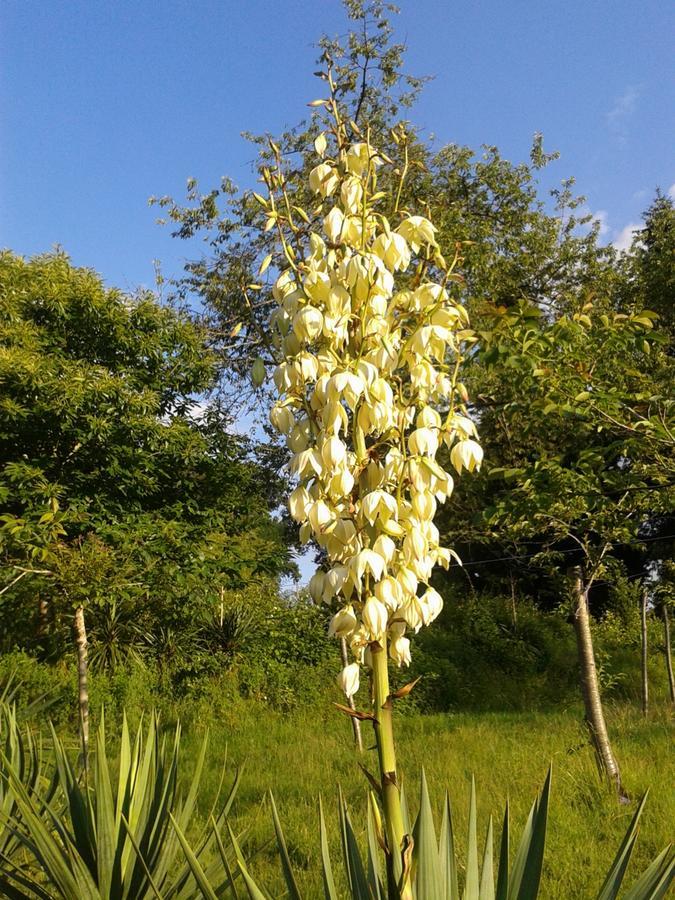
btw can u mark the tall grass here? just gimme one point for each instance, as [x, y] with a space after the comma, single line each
[507, 753]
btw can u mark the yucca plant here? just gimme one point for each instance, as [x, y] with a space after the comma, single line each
[431, 868]
[117, 838]
[21, 752]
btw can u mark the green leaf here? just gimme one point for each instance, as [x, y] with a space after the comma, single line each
[356, 876]
[202, 882]
[487, 879]
[503, 874]
[657, 878]
[448, 860]
[426, 860]
[289, 878]
[471, 886]
[254, 891]
[374, 838]
[326, 869]
[612, 883]
[527, 866]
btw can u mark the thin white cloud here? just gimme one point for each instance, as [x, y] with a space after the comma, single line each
[602, 218]
[625, 105]
[624, 238]
[671, 192]
[621, 112]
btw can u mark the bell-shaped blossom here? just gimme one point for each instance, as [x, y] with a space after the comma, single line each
[375, 617]
[299, 503]
[389, 592]
[367, 562]
[466, 454]
[379, 505]
[348, 679]
[282, 418]
[317, 585]
[399, 650]
[417, 231]
[393, 250]
[358, 157]
[333, 225]
[307, 323]
[351, 195]
[343, 623]
[323, 179]
[423, 442]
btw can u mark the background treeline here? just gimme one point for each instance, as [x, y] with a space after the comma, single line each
[140, 520]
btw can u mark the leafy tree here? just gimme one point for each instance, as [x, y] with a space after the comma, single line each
[112, 488]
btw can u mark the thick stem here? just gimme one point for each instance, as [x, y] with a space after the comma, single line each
[595, 717]
[386, 751]
[82, 686]
[356, 725]
[644, 653]
[669, 657]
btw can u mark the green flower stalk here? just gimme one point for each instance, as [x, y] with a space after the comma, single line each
[370, 345]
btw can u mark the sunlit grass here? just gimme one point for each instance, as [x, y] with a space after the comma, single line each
[302, 755]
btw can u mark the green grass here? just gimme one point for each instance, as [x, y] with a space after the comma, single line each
[302, 755]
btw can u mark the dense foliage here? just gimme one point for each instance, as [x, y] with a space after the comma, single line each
[115, 493]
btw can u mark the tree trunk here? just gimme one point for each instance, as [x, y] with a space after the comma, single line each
[356, 725]
[82, 686]
[644, 655]
[669, 658]
[595, 718]
[42, 617]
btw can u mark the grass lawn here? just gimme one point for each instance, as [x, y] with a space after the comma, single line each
[302, 755]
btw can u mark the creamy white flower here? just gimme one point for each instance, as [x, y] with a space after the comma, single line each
[417, 231]
[320, 516]
[358, 157]
[379, 504]
[367, 561]
[431, 604]
[351, 195]
[343, 623]
[348, 679]
[375, 616]
[323, 179]
[466, 454]
[393, 250]
[282, 418]
[423, 442]
[333, 452]
[389, 592]
[317, 584]
[399, 650]
[385, 547]
[299, 503]
[333, 225]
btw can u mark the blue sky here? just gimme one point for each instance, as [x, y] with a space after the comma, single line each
[105, 103]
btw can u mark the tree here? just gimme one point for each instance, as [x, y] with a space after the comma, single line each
[112, 487]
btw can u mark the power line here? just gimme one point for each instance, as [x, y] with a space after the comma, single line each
[496, 559]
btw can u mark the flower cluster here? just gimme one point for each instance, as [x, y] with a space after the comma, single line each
[368, 392]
